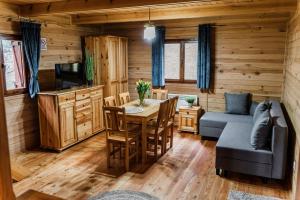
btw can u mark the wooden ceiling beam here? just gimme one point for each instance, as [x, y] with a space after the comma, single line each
[183, 13]
[84, 6]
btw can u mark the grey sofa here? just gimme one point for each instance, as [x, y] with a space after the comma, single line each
[234, 151]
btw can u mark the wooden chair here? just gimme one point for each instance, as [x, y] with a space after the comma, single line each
[159, 94]
[124, 98]
[110, 101]
[156, 132]
[117, 134]
[171, 121]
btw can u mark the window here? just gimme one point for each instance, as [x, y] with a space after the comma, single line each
[181, 61]
[12, 61]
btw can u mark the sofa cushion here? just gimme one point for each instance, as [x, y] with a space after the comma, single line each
[261, 131]
[260, 108]
[237, 103]
[219, 120]
[234, 143]
[253, 106]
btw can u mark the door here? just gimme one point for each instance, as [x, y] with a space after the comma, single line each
[123, 65]
[67, 125]
[97, 103]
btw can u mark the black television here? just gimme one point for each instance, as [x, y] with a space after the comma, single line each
[68, 75]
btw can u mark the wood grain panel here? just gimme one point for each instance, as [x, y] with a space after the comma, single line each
[291, 94]
[6, 190]
[248, 57]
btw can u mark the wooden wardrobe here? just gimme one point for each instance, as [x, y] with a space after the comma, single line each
[110, 55]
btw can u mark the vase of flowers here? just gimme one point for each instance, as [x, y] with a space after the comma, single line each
[190, 101]
[142, 87]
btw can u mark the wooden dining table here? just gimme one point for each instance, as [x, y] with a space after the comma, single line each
[148, 111]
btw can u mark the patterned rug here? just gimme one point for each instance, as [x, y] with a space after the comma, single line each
[123, 195]
[238, 195]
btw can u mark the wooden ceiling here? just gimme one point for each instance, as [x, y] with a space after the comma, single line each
[118, 11]
[24, 2]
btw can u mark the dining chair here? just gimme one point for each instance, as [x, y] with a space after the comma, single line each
[110, 101]
[171, 121]
[124, 98]
[156, 133]
[118, 135]
[159, 94]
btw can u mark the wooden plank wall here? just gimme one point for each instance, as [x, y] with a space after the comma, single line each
[248, 56]
[64, 45]
[291, 94]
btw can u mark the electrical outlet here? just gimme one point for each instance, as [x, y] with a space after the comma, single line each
[294, 166]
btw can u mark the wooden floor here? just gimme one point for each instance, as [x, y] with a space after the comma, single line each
[185, 172]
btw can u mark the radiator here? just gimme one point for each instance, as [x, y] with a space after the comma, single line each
[181, 100]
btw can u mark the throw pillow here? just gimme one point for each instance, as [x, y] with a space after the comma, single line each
[260, 108]
[237, 103]
[253, 106]
[261, 131]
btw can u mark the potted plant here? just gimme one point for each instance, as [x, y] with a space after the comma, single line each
[142, 87]
[89, 63]
[190, 101]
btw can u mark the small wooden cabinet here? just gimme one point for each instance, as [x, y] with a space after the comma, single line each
[188, 118]
[69, 116]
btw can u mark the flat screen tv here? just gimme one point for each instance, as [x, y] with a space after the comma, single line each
[68, 75]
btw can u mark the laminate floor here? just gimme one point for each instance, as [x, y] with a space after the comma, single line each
[185, 172]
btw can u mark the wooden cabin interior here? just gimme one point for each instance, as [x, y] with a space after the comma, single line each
[69, 65]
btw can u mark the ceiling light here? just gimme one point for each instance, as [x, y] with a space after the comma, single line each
[149, 30]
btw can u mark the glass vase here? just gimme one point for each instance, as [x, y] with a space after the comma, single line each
[141, 99]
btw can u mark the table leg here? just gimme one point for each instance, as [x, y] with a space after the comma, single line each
[144, 141]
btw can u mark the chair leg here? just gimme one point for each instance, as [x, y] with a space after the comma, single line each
[155, 147]
[163, 143]
[137, 150]
[172, 134]
[108, 154]
[113, 147]
[127, 157]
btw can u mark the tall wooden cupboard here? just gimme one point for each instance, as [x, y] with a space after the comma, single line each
[110, 55]
[69, 116]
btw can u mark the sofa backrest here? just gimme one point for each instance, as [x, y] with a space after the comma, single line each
[279, 141]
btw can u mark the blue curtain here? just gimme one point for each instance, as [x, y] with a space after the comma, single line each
[31, 36]
[204, 57]
[158, 51]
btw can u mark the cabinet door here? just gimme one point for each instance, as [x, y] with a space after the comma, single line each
[187, 122]
[67, 125]
[97, 114]
[123, 64]
[113, 51]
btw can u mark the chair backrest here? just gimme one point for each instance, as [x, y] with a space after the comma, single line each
[159, 94]
[172, 107]
[163, 115]
[124, 98]
[115, 121]
[110, 101]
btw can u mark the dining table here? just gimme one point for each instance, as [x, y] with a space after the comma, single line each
[142, 115]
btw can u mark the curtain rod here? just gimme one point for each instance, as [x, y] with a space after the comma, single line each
[24, 19]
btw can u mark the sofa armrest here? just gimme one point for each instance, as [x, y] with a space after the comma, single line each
[279, 149]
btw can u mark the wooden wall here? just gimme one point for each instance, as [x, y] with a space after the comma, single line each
[291, 94]
[64, 45]
[248, 55]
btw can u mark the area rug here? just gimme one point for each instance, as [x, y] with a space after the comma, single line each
[238, 195]
[124, 195]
